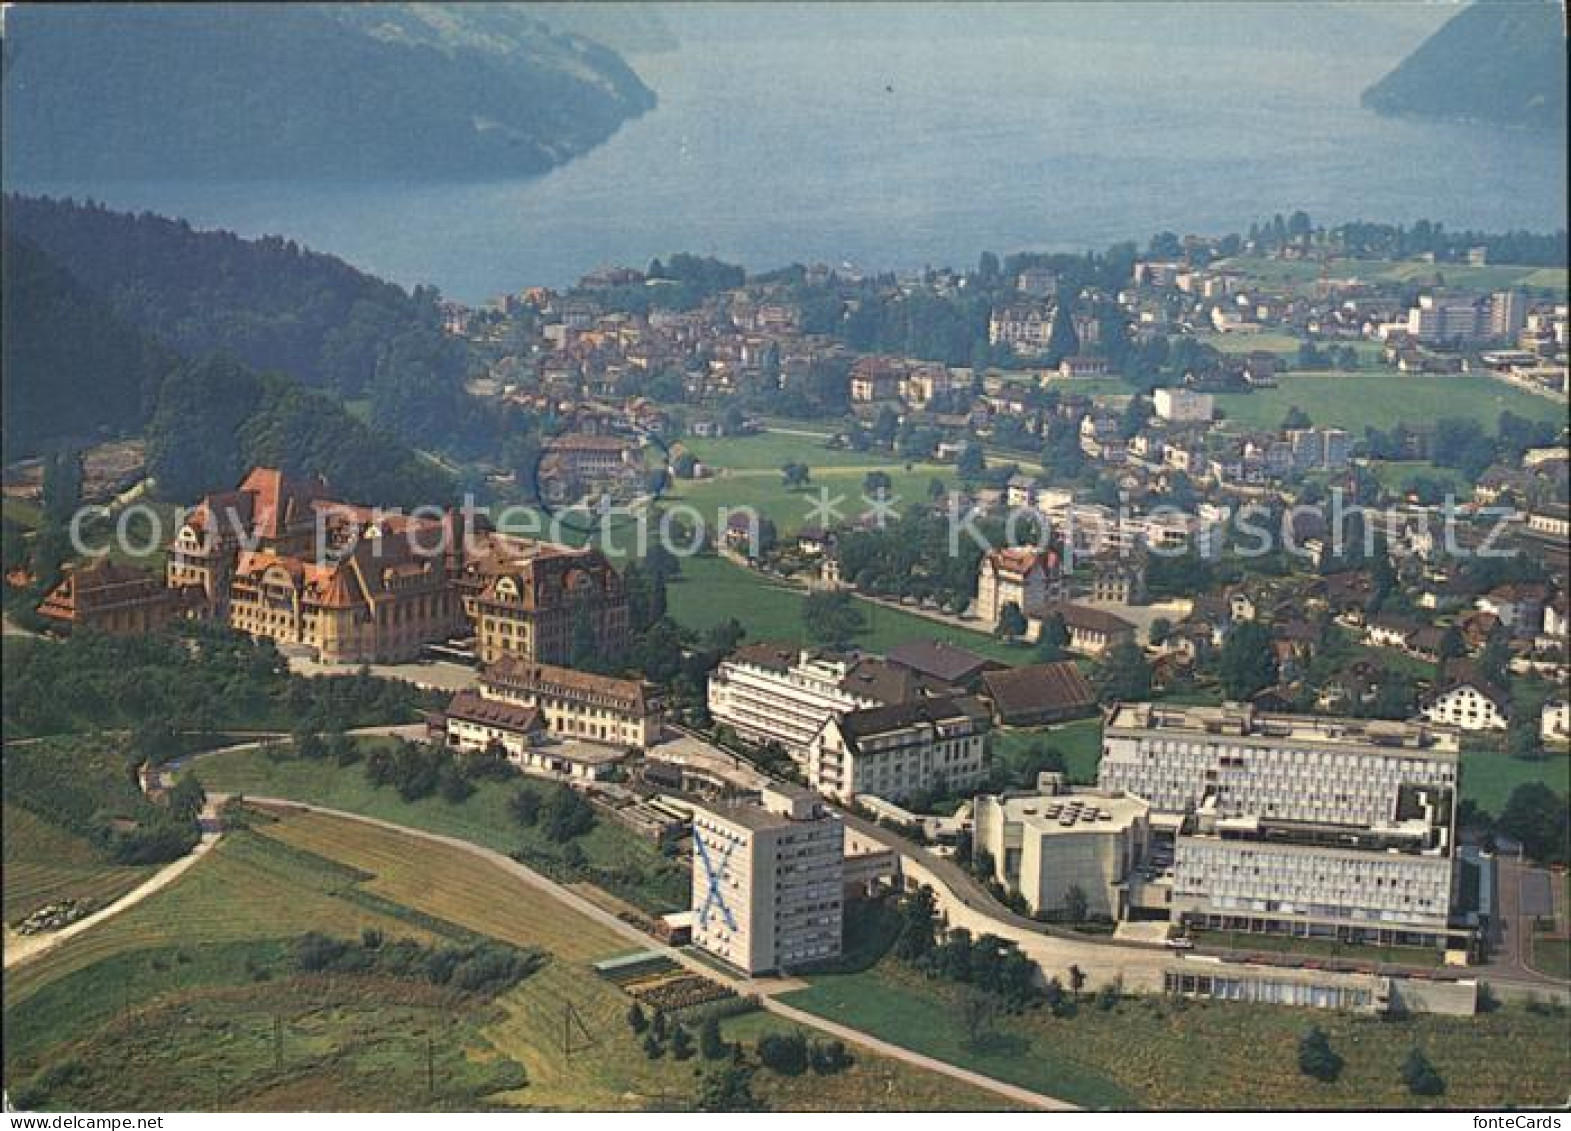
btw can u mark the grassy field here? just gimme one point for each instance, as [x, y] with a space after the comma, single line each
[45, 863]
[648, 878]
[1394, 474]
[175, 1002]
[1356, 401]
[762, 491]
[1080, 742]
[1305, 272]
[712, 590]
[1156, 1053]
[1489, 776]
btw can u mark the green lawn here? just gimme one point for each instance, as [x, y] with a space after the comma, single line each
[712, 590]
[1164, 1054]
[1080, 742]
[1489, 776]
[1394, 474]
[762, 490]
[614, 856]
[1302, 272]
[1356, 401]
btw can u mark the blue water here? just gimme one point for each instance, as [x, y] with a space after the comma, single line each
[919, 150]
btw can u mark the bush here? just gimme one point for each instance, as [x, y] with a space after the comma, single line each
[566, 814]
[829, 1057]
[1420, 1076]
[783, 1053]
[636, 1021]
[710, 1042]
[1316, 1057]
[525, 806]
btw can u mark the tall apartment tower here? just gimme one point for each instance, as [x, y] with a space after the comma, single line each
[768, 881]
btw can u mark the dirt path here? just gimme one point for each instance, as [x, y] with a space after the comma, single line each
[762, 988]
[21, 949]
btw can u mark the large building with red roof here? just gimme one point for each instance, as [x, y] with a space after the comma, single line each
[278, 558]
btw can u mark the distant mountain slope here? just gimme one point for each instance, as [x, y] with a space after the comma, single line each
[73, 369]
[619, 24]
[1501, 61]
[269, 302]
[428, 91]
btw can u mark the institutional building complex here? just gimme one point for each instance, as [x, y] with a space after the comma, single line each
[898, 751]
[1298, 824]
[768, 881]
[783, 694]
[277, 558]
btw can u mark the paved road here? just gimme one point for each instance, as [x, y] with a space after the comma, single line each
[762, 988]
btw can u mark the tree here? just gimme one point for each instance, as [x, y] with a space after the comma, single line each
[978, 1016]
[711, 1043]
[1126, 674]
[660, 1026]
[1063, 340]
[1420, 1075]
[1076, 905]
[1160, 631]
[877, 484]
[681, 1042]
[970, 463]
[829, 1057]
[795, 474]
[1011, 622]
[1246, 664]
[784, 1053]
[654, 1048]
[1052, 642]
[1538, 818]
[1523, 739]
[1296, 418]
[566, 814]
[636, 1021]
[832, 618]
[525, 806]
[727, 1089]
[1316, 1057]
[1495, 660]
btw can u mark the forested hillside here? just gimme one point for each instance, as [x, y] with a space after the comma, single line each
[228, 91]
[1501, 61]
[73, 368]
[269, 302]
[217, 417]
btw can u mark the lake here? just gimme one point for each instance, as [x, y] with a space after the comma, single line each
[916, 151]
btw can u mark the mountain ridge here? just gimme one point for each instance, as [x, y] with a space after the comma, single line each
[1496, 61]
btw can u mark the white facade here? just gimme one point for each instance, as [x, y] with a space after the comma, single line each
[1467, 708]
[1184, 406]
[1041, 845]
[768, 882]
[1222, 878]
[1283, 767]
[766, 703]
[1299, 824]
[1554, 722]
[897, 751]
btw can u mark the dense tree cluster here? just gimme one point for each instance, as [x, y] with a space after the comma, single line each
[207, 676]
[485, 969]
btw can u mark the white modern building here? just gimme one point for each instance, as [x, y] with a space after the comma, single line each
[1184, 406]
[768, 881]
[897, 751]
[780, 693]
[1043, 844]
[1297, 824]
[1554, 722]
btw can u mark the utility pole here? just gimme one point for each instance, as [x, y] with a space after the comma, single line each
[430, 1066]
[278, 1042]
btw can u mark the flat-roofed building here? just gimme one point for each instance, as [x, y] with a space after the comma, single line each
[768, 881]
[1298, 824]
[1044, 844]
[781, 693]
[900, 750]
